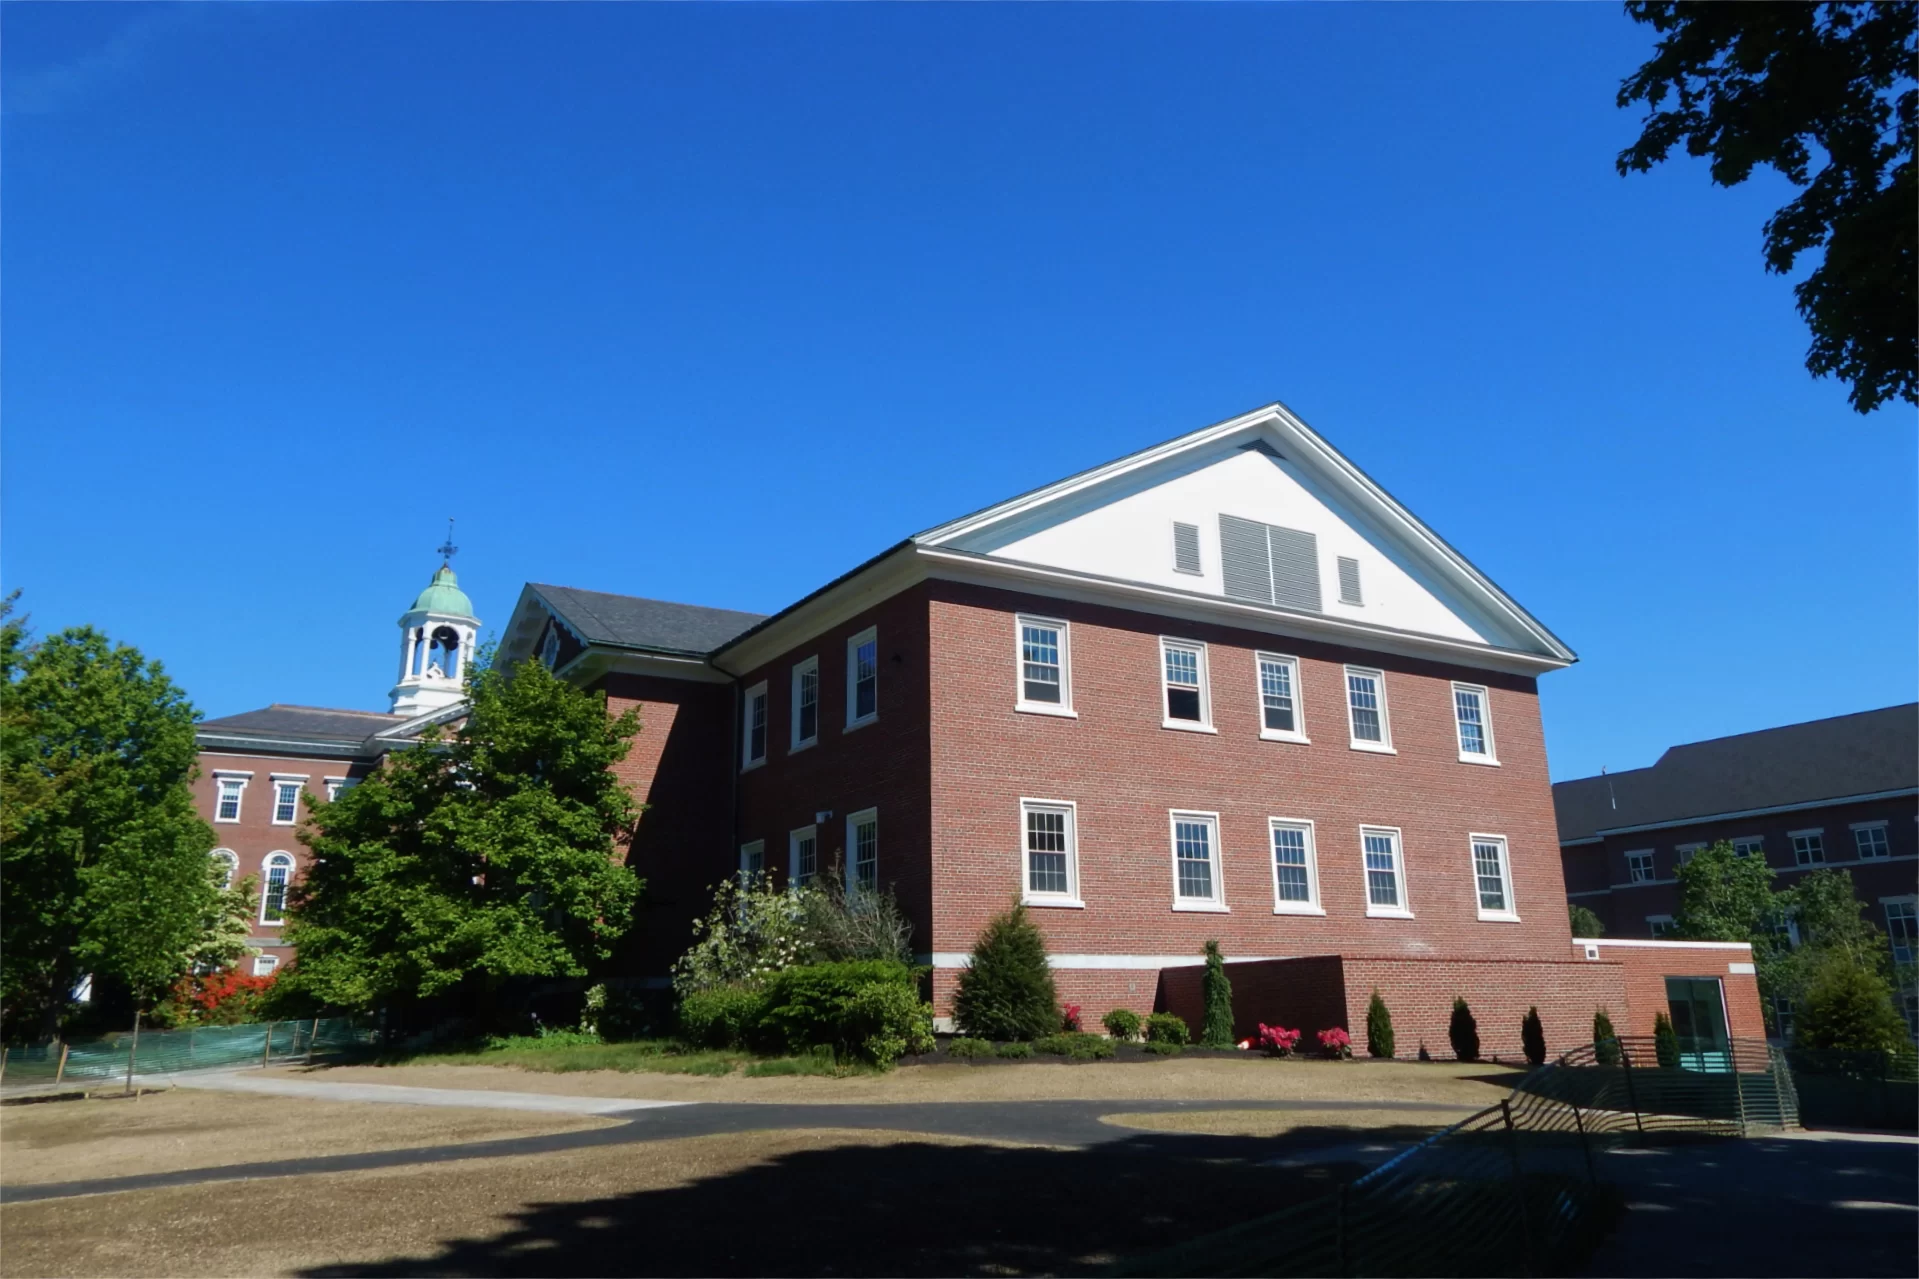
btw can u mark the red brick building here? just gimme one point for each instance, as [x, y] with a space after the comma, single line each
[1225, 687]
[1840, 792]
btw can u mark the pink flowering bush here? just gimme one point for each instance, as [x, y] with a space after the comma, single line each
[1069, 1018]
[1336, 1042]
[1277, 1040]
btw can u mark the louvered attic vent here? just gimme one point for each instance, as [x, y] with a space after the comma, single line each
[1349, 581]
[1269, 564]
[1186, 548]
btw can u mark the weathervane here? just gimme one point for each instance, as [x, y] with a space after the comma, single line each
[447, 548]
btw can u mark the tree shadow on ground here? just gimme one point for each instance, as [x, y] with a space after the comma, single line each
[912, 1209]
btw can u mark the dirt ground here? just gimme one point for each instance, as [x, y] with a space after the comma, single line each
[1274, 1123]
[1252, 1078]
[53, 1141]
[816, 1202]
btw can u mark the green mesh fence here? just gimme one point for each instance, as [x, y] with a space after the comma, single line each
[165, 1052]
[1512, 1190]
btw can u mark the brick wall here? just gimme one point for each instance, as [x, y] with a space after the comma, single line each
[1646, 968]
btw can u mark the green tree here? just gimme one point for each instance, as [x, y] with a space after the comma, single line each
[227, 924]
[468, 860]
[1006, 990]
[1463, 1031]
[1605, 1039]
[1532, 1037]
[1379, 1028]
[1726, 897]
[103, 860]
[1847, 1006]
[1823, 94]
[1217, 1032]
[1584, 922]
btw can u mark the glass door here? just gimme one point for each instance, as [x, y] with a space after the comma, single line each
[1699, 1020]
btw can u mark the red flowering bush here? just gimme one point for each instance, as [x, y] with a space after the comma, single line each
[1336, 1042]
[1277, 1041]
[225, 998]
[1069, 1019]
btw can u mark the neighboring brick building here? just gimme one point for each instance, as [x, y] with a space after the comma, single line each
[1840, 792]
[1121, 698]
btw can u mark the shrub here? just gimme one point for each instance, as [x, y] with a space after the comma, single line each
[1337, 1043]
[1277, 1040]
[1165, 1028]
[1605, 1039]
[1006, 990]
[865, 1009]
[862, 924]
[1069, 1018]
[721, 1016]
[1217, 1031]
[225, 998]
[752, 931]
[1014, 1049]
[1847, 1007]
[1075, 1044]
[1122, 1024]
[1665, 1042]
[1164, 1048]
[962, 1047]
[1463, 1031]
[1379, 1028]
[1423, 1054]
[1584, 922]
[1532, 1037]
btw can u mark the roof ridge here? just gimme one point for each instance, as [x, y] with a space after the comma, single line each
[328, 710]
[645, 599]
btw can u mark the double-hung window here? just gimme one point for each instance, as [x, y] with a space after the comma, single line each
[863, 850]
[1366, 710]
[265, 965]
[752, 858]
[1043, 650]
[1295, 867]
[1493, 877]
[1196, 878]
[1902, 929]
[1808, 847]
[1684, 853]
[286, 798]
[1185, 701]
[1473, 719]
[753, 727]
[1869, 840]
[231, 787]
[1639, 866]
[1050, 829]
[1385, 872]
[1751, 846]
[278, 872]
[803, 855]
[806, 704]
[1661, 925]
[1279, 710]
[863, 678]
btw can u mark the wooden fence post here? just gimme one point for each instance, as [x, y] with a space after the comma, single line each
[134, 1050]
[59, 1075]
[312, 1036]
[266, 1053]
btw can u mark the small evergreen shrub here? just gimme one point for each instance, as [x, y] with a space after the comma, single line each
[1165, 1028]
[864, 1009]
[1217, 1031]
[1532, 1037]
[1463, 1031]
[1015, 1049]
[1423, 1054]
[1006, 990]
[1075, 1044]
[1379, 1028]
[1122, 1024]
[962, 1047]
[721, 1016]
[1665, 1041]
[1605, 1039]
[1163, 1047]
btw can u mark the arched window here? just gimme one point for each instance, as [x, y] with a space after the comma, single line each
[445, 653]
[419, 651]
[228, 864]
[273, 897]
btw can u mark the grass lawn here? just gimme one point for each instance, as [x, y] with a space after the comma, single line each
[652, 1056]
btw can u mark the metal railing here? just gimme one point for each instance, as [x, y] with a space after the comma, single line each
[164, 1052]
[1512, 1190]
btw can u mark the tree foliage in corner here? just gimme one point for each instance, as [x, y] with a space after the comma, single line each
[103, 860]
[466, 861]
[1823, 93]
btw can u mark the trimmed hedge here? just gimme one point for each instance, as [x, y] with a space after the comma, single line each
[1122, 1024]
[1165, 1028]
[864, 1010]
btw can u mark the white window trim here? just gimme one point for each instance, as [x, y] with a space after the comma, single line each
[265, 965]
[334, 785]
[1216, 904]
[795, 743]
[1405, 908]
[1749, 839]
[1384, 746]
[298, 782]
[266, 881]
[1652, 865]
[752, 846]
[1065, 708]
[1312, 905]
[1510, 915]
[1299, 702]
[1491, 758]
[853, 643]
[1905, 899]
[793, 838]
[853, 823]
[222, 778]
[1070, 899]
[1812, 832]
[1205, 722]
[1657, 919]
[1199, 544]
[1680, 851]
[748, 761]
[1880, 823]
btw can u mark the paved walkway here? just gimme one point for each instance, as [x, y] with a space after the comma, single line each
[395, 1094]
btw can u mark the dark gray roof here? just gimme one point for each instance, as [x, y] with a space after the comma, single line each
[1860, 754]
[317, 722]
[627, 621]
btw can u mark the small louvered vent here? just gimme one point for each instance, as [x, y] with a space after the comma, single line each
[1186, 548]
[1349, 581]
[1269, 564]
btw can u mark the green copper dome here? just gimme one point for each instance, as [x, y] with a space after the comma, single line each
[443, 595]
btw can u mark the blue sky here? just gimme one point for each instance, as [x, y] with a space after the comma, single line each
[711, 303]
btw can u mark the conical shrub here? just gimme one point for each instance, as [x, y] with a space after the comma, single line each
[1379, 1028]
[1217, 1031]
[1605, 1039]
[1665, 1041]
[1463, 1031]
[1532, 1037]
[1006, 990]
